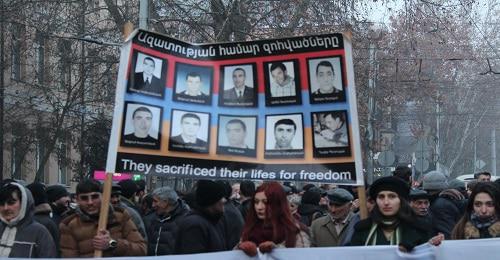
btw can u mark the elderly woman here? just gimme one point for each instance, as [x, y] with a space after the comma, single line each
[270, 224]
[481, 215]
[392, 221]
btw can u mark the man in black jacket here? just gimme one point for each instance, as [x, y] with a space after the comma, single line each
[447, 205]
[199, 231]
[162, 226]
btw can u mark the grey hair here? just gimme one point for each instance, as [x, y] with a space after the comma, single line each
[294, 199]
[166, 194]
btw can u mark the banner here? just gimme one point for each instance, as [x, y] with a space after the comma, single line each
[456, 250]
[281, 109]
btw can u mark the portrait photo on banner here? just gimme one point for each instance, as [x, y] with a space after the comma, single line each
[147, 75]
[282, 83]
[237, 135]
[193, 83]
[189, 131]
[326, 82]
[142, 126]
[284, 136]
[238, 85]
[331, 134]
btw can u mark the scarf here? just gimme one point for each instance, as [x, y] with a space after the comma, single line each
[482, 223]
[371, 240]
[262, 232]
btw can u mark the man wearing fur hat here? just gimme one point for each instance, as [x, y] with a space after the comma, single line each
[336, 228]
[447, 205]
[20, 235]
[199, 231]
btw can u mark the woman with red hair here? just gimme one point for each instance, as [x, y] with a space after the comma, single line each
[269, 223]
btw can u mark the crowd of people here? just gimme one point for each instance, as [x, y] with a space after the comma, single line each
[40, 221]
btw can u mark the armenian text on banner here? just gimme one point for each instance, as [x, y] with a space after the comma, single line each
[280, 109]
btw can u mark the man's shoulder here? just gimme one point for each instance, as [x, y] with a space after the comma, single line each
[321, 221]
[70, 219]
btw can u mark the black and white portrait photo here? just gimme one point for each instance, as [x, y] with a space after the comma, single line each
[142, 127]
[284, 136]
[147, 75]
[189, 131]
[193, 84]
[325, 80]
[331, 133]
[282, 83]
[238, 86]
[237, 135]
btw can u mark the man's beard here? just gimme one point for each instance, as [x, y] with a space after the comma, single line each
[59, 208]
[212, 216]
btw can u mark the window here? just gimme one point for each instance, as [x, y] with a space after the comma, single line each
[15, 162]
[40, 56]
[40, 152]
[17, 31]
[62, 161]
[64, 47]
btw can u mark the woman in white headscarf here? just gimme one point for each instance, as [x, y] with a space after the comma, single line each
[20, 235]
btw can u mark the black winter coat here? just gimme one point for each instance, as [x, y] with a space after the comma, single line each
[162, 231]
[232, 224]
[411, 234]
[446, 212]
[199, 234]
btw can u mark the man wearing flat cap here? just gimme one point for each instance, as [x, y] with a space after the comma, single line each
[336, 228]
[200, 231]
[419, 202]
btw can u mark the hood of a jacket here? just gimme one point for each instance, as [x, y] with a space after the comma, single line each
[26, 212]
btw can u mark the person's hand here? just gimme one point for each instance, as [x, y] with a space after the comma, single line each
[249, 247]
[436, 240]
[101, 240]
[355, 204]
[327, 134]
[267, 246]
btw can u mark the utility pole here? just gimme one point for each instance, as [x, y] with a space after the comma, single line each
[143, 14]
[2, 83]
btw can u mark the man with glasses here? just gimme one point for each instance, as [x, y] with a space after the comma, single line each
[336, 228]
[79, 234]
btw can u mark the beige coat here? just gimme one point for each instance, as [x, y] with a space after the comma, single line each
[324, 234]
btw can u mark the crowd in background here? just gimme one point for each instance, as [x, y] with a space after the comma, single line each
[40, 221]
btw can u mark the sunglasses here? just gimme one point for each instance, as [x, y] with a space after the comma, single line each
[93, 196]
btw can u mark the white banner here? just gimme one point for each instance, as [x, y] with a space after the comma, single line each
[456, 250]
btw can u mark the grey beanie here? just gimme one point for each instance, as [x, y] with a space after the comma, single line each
[435, 180]
[457, 185]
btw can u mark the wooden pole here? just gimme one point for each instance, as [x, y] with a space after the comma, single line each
[108, 183]
[104, 212]
[363, 211]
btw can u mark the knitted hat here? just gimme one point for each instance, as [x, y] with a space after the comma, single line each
[418, 194]
[435, 180]
[208, 193]
[339, 196]
[311, 196]
[129, 188]
[390, 183]
[116, 189]
[56, 192]
[38, 191]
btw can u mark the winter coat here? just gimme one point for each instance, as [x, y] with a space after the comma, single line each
[198, 234]
[324, 233]
[136, 218]
[78, 230]
[411, 234]
[232, 224]
[43, 216]
[22, 237]
[162, 231]
[446, 210]
[309, 213]
[472, 232]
